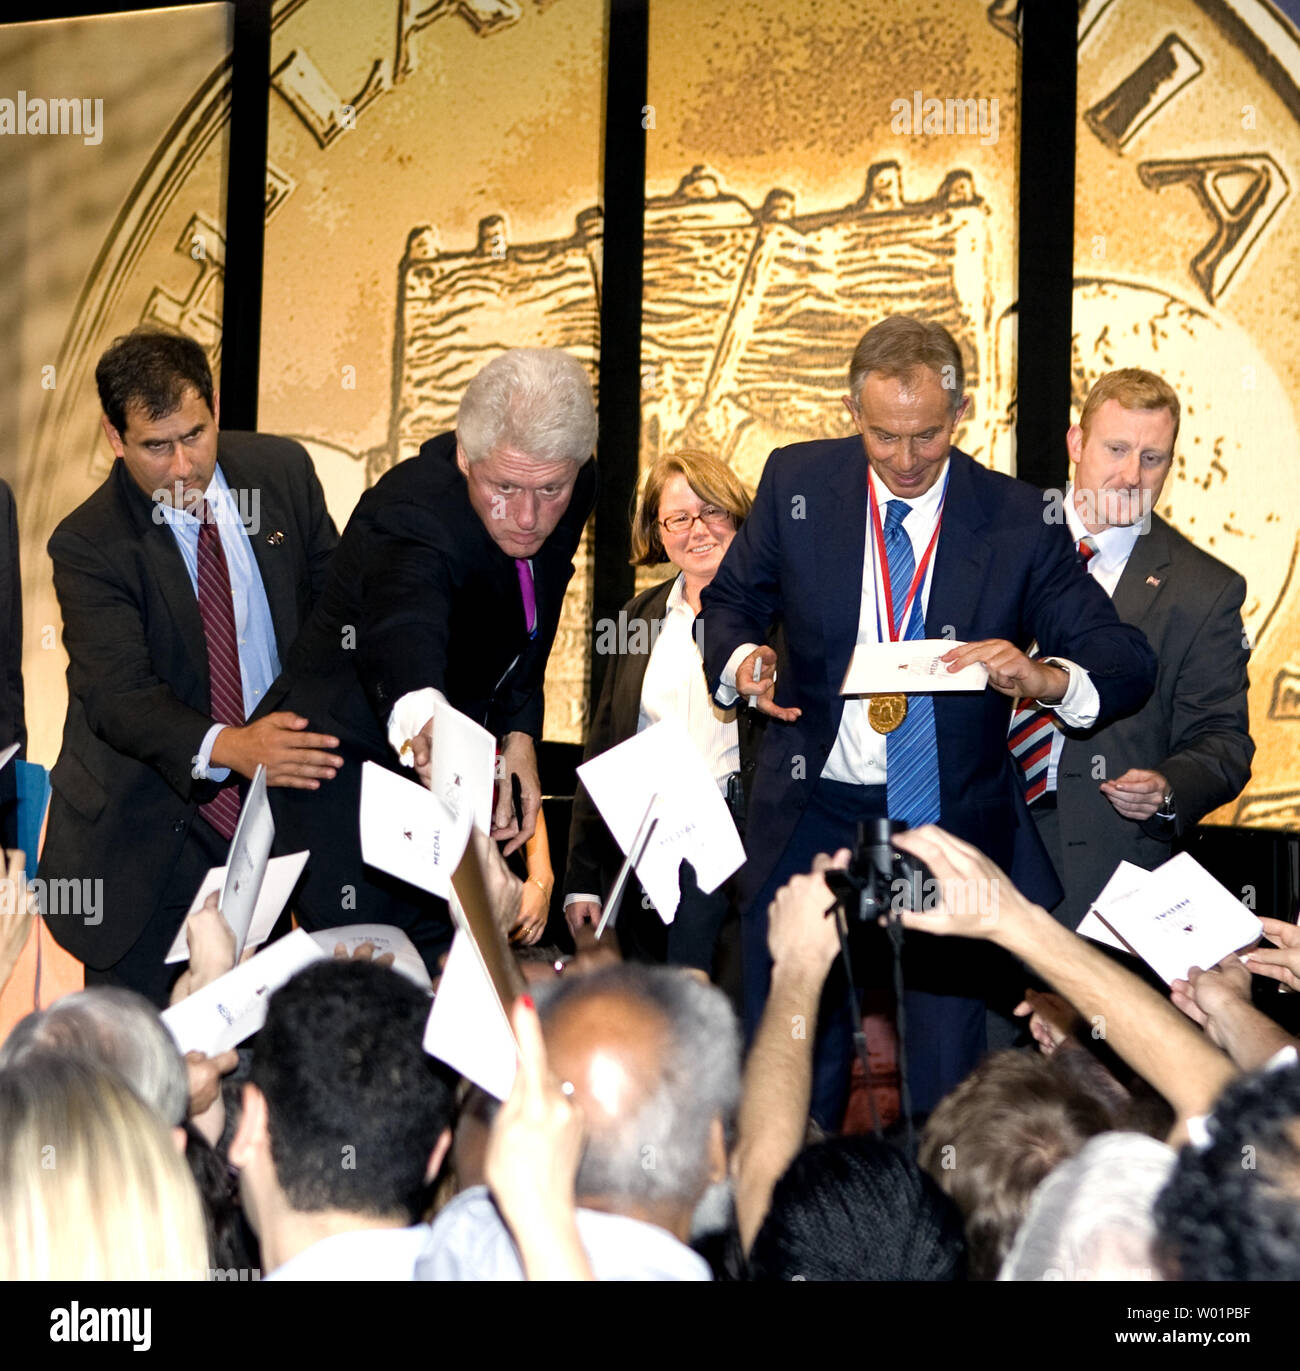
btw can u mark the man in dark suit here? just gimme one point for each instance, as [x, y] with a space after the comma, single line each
[182, 580]
[958, 553]
[449, 577]
[1124, 791]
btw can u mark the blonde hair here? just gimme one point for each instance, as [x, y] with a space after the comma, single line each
[708, 476]
[1130, 388]
[92, 1186]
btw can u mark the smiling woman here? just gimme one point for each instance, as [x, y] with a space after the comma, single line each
[689, 510]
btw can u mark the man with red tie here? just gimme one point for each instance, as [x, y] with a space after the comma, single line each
[1123, 792]
[449, 577]
[182, 580]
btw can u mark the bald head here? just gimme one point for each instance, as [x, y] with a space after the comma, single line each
[654, 1059]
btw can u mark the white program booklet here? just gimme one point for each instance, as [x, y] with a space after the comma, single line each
[233, 1007]
[467, 1026]
[408, 832]
[1181, 917]
[693, 821]
[908, 667]
[278, 881]
[1127, 877]
[463, 769]
[384, 938]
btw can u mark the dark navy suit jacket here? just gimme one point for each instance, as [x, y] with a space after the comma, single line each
[1002, 569]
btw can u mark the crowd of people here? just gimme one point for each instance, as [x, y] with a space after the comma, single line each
[678, 1108]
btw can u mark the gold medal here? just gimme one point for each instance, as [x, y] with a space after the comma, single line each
[886, 712]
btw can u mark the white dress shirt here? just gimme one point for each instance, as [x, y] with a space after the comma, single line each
[858, 756]
[470, 1242]
[366, 1254]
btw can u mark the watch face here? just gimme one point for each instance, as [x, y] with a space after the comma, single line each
[1187, 230]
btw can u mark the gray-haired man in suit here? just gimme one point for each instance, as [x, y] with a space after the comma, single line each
[1125, 791]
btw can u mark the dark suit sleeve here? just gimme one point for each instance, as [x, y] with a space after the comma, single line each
[1210, 747]
[11, 607]
[744, 598]
[111, 670]
[406, 591]
[1071, 616]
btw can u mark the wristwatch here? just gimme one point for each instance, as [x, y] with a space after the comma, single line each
[1167, 810]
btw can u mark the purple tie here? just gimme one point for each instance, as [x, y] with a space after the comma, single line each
[226, 691]
[529, 594]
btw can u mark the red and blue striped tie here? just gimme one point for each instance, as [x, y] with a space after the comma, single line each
[226, 689]
[1033, 725]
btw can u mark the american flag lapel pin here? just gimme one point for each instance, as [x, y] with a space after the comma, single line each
[1153, 580]
[275, 539]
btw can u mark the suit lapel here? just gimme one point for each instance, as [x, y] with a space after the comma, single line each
[166, 568]
[839, 537]
[271, 535]
[626, 712]
[961, 557]
[1144, 576]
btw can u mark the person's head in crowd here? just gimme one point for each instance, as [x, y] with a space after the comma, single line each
[653, 1056]
[906, 397]
[1231, 1210]
[993, 1140]
[857, 1209]
[1122, 447]
[526, 424]
[345, 1118]
[91, 1184]
[113, 1027]
[1093, 1218]
[160, 413]
[688, 511]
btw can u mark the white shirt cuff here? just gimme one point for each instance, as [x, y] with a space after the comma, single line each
[582, 899]
[408, 716]
[727, 694]
[1080, 705]
[202, 768]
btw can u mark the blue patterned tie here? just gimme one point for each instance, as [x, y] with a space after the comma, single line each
[911, 753]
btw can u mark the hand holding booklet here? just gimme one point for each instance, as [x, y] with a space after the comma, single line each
[912, 667]
[1175, 917]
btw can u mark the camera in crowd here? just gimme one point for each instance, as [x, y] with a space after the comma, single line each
[879, 878]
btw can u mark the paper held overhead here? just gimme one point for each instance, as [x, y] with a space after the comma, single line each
[693, 821]
[233, 1007]
[277, 885]
[408, 832]
[912, 667]
[1176, 918]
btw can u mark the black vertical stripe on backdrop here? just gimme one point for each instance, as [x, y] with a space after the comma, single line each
[620, 313]
[241, 307]
[1048, 92]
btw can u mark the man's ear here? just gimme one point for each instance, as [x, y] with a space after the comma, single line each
[853, 411]
[216, 408]
[1074, 444]
[438, 1155]
[113, 436]
[717, 1152]
[251, 1136]
[461, 460]
[960, 412]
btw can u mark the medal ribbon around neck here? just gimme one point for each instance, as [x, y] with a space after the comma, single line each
[878, 550]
